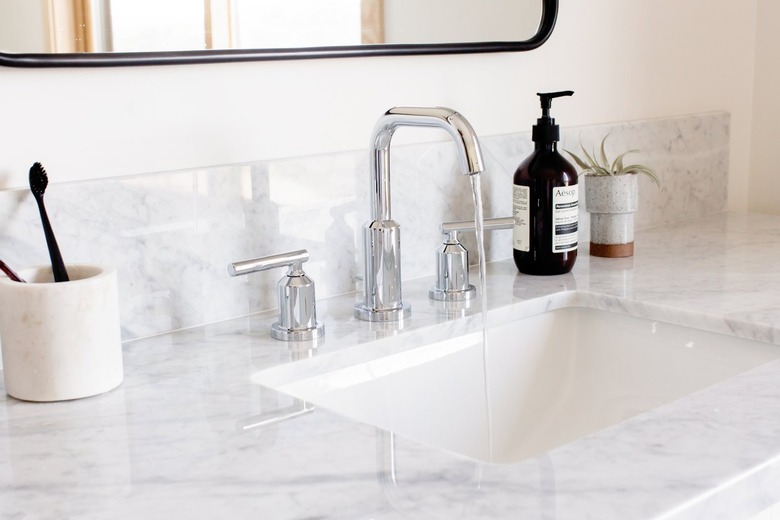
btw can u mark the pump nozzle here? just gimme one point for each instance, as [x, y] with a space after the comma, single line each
[545, 130]
[548, 97]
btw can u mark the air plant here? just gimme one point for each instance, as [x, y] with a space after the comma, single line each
[600, 165]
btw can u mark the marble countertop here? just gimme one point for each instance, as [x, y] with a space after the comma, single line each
[171, 441]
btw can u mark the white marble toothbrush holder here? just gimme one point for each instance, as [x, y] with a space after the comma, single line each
[61, 340]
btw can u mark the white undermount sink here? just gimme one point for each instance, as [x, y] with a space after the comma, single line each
[551, 379]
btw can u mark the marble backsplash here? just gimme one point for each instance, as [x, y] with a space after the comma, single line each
[172, 234]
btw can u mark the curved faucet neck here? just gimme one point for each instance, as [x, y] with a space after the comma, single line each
[469, 152]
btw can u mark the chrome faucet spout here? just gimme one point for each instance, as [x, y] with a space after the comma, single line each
[469, 152]
[381, 238]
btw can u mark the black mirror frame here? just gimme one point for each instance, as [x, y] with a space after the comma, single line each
[123, 59]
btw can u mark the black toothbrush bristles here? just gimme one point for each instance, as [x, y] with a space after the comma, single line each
[39, 180]
[38, 183]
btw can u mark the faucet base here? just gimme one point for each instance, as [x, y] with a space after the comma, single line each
[368, 314]
[452, 296]
[281, 333]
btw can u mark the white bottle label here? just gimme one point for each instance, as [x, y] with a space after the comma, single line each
[565, 216]
[521, 207]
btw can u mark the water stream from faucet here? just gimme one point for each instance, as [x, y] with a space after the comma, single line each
[476, 187]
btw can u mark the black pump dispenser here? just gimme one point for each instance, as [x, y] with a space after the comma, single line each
[545, 131]
[545, 202]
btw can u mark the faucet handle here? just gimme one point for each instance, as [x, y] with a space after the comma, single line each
[452, 260]
[297, 302]
[489, 224]
[452, 272]
[294, 260]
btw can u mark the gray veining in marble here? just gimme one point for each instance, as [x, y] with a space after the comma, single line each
[168, 442]
[171, 234]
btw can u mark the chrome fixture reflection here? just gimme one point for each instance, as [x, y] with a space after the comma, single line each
[297, 303]
[381, 236]
[298, 409]
[452, 260]
[400, 470]
[277, 415]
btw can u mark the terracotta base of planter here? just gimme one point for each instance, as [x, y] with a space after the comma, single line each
[612, 250]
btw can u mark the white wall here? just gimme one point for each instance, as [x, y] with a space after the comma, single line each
[765, 173]
[625, 60]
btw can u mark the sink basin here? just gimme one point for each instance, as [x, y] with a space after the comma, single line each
[543, 381]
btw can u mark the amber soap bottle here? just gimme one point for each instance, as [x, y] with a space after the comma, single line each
[545, 202]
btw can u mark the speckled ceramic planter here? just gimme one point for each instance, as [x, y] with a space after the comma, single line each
[611, 201]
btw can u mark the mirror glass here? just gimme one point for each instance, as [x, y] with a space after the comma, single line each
[104, 26]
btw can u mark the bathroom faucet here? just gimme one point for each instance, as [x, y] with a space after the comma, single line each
[295, 294]
[452, 260]
[381, 236]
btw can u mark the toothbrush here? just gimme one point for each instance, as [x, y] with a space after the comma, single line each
[38, 182]
[10, 273]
